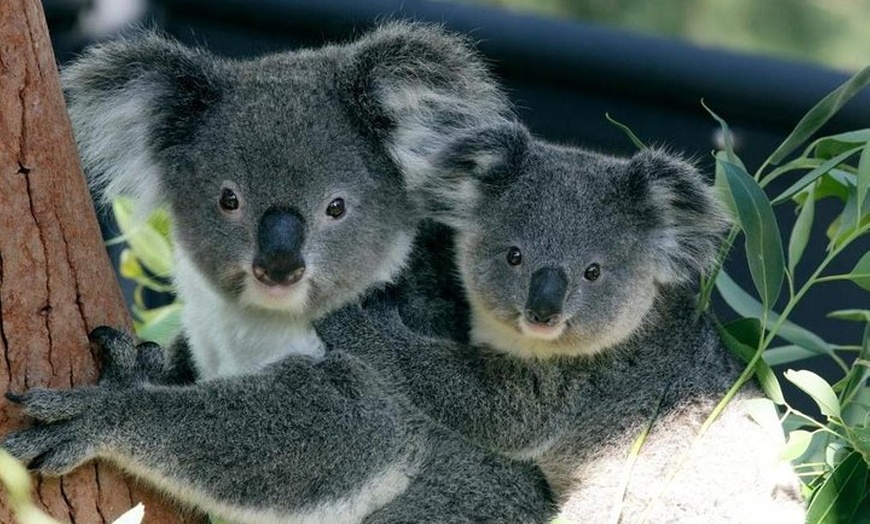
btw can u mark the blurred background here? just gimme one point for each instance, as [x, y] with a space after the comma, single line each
[565, 63]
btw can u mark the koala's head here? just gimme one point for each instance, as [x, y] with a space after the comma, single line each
[290, 179]
[563, 251]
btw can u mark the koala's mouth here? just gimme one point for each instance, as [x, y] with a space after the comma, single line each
[547, 331]
[288, 297]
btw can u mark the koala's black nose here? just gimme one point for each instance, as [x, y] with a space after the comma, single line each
[546, 295]
[278, 260]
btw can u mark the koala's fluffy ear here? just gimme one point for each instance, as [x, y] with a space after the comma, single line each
[479, 161]
[130, 102]
[689, 221]
[415, 86]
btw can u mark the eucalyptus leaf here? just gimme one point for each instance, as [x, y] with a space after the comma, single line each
[741, 337]
[862, 512]
[627, 130]
[151, 248]
[861, 272]
[837, 499]
[863, 179]
[159, 325]
[833, 145]
[745, 305]
[848, 220]
[855, 315]
[787, 354]
[820, 114]
[764, 252]
[816, 387]
[797, 444]
[859, 438]
[810, 177]
[727, 138]
[800, 233]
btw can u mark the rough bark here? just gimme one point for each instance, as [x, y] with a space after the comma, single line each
[56, 282]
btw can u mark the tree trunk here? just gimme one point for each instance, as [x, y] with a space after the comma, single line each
[56, 282]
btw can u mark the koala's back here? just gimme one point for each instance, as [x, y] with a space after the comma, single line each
[672, 377]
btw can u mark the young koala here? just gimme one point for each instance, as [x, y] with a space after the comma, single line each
[577, 270]
[283, 175]
[289, 186]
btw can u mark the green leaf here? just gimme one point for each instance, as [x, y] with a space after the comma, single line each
[797, 444]
[847, 221]
[833, 145]
[787, 354]
[810, 177]
[859, 438]
[863, 179]
[159, 325]
[819, 390]
[764, 252]
[819, 114]
[151, 248]
[862, 512]
[861, 273]
[627, 130]
[800, 233]
[836, 183]
[855, 315]
[746, 306]
[727, 138]
[837, 499]
[741, 337]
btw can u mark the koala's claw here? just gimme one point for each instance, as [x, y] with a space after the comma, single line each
[48, 449]
[123, 361]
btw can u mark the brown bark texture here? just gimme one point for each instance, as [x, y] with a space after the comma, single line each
[56, 282]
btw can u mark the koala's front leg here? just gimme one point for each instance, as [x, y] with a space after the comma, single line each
[300, 440]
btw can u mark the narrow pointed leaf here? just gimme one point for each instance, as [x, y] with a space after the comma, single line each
[863, 180]
[859, 438]
[820, 114]
[810, 177]
[787, 354]
[830, 146]
[741, 337]
[855, 315]
[627, 130]
[727, 137]
[861, 273]
[816, 387]
[800, 233]
[764, 252]
[837, 499]
[745, 305]
[797, 444]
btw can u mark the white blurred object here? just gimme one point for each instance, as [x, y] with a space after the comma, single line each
[133, 516]
[109, 16]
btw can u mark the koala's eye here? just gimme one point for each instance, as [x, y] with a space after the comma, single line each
[229, 200]
[592, 272]
[514, 256]
[335, 209]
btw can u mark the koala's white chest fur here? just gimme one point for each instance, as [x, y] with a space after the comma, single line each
[228, 339]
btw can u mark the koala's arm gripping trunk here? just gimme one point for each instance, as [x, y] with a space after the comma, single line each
[56, 282]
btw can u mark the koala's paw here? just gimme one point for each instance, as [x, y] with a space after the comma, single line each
[63, 436]
[124, 362]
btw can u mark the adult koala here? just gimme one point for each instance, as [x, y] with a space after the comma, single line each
[289, 184]
[573, 278]
[283, 175]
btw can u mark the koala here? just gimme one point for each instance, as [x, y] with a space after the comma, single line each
[575, 272]
[283, 175]
[295, 185]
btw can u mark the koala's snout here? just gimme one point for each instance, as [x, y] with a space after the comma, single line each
[546, 296]
[278, 260]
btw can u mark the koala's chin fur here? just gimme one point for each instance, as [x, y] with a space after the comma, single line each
[602, 253]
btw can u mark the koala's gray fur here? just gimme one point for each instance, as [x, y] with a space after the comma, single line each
[627, 349]
[165, 124]
[318, 436]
